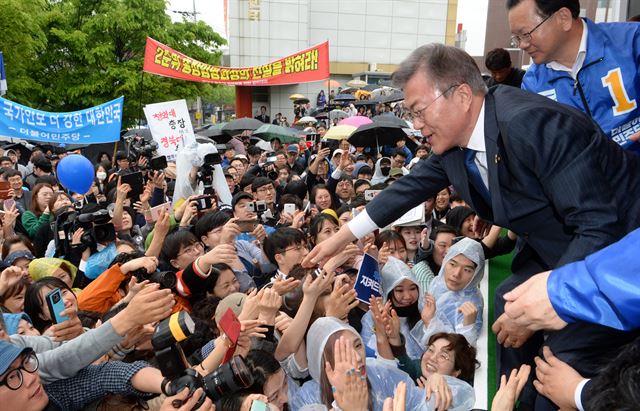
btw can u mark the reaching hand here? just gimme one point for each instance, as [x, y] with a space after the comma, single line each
[315, 287]
[399, 400]
[122, 191]
[556, 380]
[148, 263]
[69, 329]
[509, 333]
[341, 301]
[269, 305]
[529, 305]
[283, 286]
[436, 384]
[429, 309]
[345, 363]
[150, 304]
[183, 402]
[355, 394]
[509, 391]
[9, 277]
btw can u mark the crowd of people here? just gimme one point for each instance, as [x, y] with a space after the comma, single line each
[228, 282]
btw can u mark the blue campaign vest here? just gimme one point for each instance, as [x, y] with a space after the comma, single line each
[607, 86]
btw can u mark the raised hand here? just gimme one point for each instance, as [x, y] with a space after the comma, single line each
[436, 384]
[429, 309]
[469, 312]
[283, 286]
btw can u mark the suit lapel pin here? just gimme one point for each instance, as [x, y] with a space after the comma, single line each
[498, 158]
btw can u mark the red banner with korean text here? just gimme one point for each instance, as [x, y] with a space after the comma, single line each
[304, 66]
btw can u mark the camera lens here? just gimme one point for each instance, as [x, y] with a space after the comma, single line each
[56, 298]
[227, 379]
[166, 279]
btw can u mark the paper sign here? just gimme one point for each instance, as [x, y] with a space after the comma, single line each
[170, 126]
[415, 216]
[368, 280]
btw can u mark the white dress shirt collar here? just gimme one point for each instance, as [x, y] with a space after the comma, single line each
[582, 54]
[476, 141]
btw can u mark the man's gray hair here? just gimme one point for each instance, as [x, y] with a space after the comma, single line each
[444, 66]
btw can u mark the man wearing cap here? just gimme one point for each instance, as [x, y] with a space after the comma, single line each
[20, 259]
[293, 160]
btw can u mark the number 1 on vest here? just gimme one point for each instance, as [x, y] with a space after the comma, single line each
[613, 80]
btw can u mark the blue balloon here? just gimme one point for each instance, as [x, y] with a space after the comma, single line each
[75, 173]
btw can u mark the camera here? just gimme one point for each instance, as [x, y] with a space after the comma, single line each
[166, 279]
[268, 169]
[257, 207]
[97, 228]
[139, 147]
[205, 174]
[226, 380]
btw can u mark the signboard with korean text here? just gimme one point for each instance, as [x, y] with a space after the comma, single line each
[170, 126]
[99, 124]
[307, 65]
[368, 280]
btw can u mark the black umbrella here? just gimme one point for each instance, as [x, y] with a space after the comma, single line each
[370, 102]
[344, 97]
[141, 132]
[301, 101]
[238, 126]
[376, 134]
[210, 132]
[370, 87]
[390, 118]
[397, 95]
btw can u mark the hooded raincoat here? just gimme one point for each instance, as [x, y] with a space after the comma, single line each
[382, 375]
[448, 318]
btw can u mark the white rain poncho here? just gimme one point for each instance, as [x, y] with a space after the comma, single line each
[378, 177]
[193, 155]
[391, 275]
[383, 376]
[448, 318]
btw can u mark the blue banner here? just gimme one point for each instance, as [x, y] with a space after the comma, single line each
[99, 124]
[368, 280]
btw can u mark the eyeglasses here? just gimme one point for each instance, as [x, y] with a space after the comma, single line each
[192, 249]
[440, 356]
[516, 39]
[14, 377]
[298, 247]
[414, 115]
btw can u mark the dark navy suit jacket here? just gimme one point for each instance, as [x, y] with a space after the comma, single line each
[554, 178]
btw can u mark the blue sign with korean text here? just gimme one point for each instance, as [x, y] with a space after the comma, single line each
[368, 280]
[99, 124]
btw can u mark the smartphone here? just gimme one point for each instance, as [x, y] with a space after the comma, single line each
[247, 226]
[306, 208]
[289, 208]
[158, 163]
[155, 211]
[7, 204]
[213, 159]
[324, 144]
[56, 306]
[4, 190]
[230, 325]
[203, 202]
[370, 194]
[258, 405]
[137, 185]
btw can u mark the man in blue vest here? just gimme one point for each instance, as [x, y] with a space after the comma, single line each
[593, 67]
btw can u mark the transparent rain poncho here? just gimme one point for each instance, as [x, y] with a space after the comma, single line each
[383, 376]
[391, 275]
[448, 318]
[193, 155]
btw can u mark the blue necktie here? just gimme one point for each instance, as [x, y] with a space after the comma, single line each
[474, 175]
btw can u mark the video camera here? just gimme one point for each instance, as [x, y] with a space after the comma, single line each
[227, 379]
[268, 169]
[97, 228]
[205, 174]
[139, 147]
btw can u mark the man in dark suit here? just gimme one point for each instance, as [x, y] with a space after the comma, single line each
[536, 167]
[263, 115]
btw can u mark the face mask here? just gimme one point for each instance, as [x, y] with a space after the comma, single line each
[101, 175]
[385, 170]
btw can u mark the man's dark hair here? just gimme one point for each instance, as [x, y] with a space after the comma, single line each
[296, 187]
[400, 152]
[548, 7]
[360, 182]
[497, 59]
[635, 18]
[43, 164]
[290, 199]
[455, 196]
[47, 179]
[173, 243]
[260, 182]
[617, 387]
[263, 107]
[5, 158]
[280, 240]
[254, 151]
[11, 172]
[211, 221]
[444, 228]
[246, 180]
